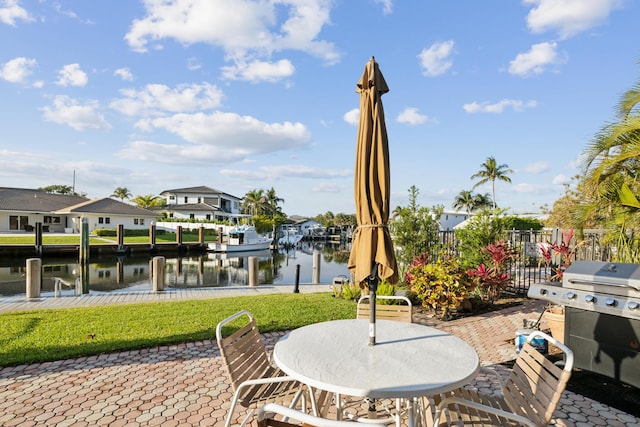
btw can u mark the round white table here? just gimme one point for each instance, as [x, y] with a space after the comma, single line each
[408, 360]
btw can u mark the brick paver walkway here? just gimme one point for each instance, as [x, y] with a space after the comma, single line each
[185, 385]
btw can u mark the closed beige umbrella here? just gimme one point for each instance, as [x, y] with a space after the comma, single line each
[372, 257]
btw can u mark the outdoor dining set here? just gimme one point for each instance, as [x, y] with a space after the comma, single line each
[327, 374]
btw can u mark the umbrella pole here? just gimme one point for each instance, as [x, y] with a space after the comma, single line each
[373, 288]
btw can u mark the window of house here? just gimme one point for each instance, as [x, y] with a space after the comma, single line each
[172, 197]
[199, 199]
[107, 220]
[141, 221]
[186, 199]
[208, 216]
[100, 220]
[192, 216]
[135, 221]
[171, 215]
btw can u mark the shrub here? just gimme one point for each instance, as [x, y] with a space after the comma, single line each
[492, 278]
[442, 285]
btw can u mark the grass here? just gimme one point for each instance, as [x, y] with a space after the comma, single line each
[49, 335]
[74, 239]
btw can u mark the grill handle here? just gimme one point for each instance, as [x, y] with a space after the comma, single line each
[587, 282]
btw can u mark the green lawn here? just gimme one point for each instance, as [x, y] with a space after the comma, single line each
[48, 335]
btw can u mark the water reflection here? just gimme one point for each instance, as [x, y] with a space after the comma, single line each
[131, 273]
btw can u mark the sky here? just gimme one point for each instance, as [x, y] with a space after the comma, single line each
[241, 95]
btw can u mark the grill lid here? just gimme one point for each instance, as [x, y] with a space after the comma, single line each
[616, 278]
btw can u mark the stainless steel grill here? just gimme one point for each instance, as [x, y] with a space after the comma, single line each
[603, 287]
[602, 316]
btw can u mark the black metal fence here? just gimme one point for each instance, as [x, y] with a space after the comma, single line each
[529, 267]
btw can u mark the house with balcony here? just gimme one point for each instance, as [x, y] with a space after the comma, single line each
[201, 203]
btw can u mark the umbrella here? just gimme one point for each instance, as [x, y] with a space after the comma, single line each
[372, 257]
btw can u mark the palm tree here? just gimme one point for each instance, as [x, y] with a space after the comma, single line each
[121, 193]
[252, 202]
[490, 171]
[272, 201]
[464, 199]
[482, 201]
[147, 201]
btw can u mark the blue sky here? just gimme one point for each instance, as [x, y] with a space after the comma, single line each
[241, 95]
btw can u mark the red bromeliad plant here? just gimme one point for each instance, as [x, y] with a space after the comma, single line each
[492, 278]
[550, 250]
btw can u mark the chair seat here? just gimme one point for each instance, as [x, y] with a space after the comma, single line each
[470, 417]
[282, 393]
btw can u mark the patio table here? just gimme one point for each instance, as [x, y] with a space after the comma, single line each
[408, 360]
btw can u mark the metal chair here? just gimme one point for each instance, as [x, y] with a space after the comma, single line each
[254, 380]
[304, 418]
[529, 396]
[399, 312]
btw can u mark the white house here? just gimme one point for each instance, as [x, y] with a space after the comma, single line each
[201, 203]
[449, 219]
[22, 208]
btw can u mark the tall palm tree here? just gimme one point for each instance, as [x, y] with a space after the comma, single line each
[490, 171]
[464, 200]
[121, 193]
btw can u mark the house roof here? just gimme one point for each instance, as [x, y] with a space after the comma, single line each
[202, 189]
[106, 205]
[189, 207]
[30, 200]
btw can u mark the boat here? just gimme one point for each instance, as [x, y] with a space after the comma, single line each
[242, 239]
[291, 237]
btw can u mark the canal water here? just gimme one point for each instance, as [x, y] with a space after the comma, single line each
[131, 273]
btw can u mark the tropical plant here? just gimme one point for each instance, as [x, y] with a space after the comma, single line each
[492, 278]
[441, 285]
[121, 193]
[148, 201]
[490, 171]
[563, 250]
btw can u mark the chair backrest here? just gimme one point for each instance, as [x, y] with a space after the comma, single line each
[305, 418]
[243, 352]
[400, 312]
[536, 384]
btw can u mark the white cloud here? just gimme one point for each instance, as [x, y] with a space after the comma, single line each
[568, 17]
[436, 60]
[217, 138]
[387, 6]
[499, 106]
[17, 70]
[275, 172]
[11, 11]
[72, 75]
[536, 60]
[246, 31]
[257, 71]
[561, 180]
[124, 74]
[411, 116]
[155, 99]
[67, 111]
[352, 116]
[327, 187]
[537, 167]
